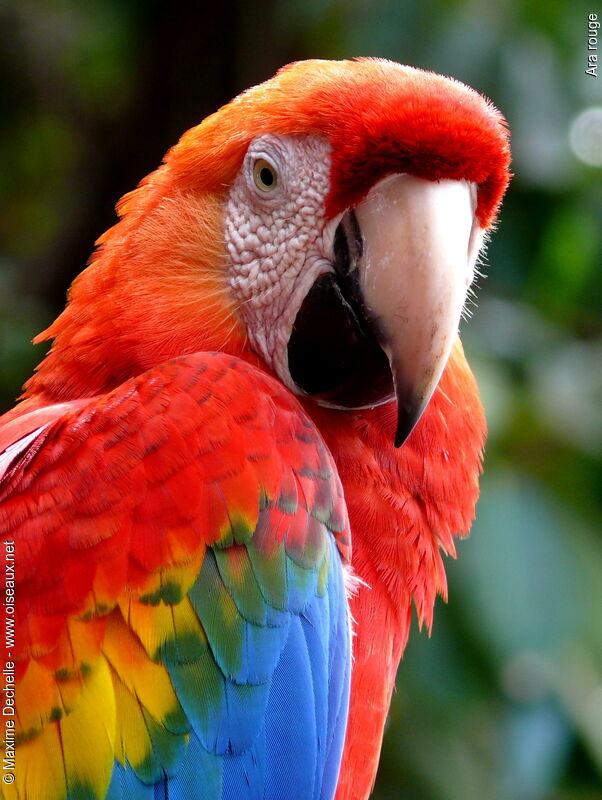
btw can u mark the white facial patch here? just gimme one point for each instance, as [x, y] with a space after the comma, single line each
[276, 237]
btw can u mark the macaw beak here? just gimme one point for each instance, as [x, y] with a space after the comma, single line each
[420, 241]
[381, 323]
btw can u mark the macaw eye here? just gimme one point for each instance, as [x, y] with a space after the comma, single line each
[264, 175]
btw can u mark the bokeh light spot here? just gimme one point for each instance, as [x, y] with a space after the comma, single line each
[586, 137]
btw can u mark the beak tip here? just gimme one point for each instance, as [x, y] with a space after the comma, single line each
[402, 432]
[409, 411]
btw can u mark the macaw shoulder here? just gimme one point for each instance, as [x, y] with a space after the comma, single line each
[189, 424]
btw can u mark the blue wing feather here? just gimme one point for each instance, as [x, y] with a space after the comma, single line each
[260, 733]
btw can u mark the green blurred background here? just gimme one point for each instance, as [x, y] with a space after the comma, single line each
[504, 701]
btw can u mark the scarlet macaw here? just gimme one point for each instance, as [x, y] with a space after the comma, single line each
[219, 415]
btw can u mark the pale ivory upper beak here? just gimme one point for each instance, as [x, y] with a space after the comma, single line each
[421, 242]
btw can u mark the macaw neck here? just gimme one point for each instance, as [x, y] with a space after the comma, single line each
[155, 289]
[405, 506]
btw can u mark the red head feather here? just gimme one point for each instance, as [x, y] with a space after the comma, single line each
[380, 117]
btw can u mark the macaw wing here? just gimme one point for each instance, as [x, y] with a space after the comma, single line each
[181, 621]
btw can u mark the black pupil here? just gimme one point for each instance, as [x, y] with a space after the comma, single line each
[266, 176]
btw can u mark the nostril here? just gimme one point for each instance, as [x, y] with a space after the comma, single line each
[348, 244]
[358, 239]
[342, 256]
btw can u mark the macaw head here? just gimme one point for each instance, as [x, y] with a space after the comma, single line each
[327, 221]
